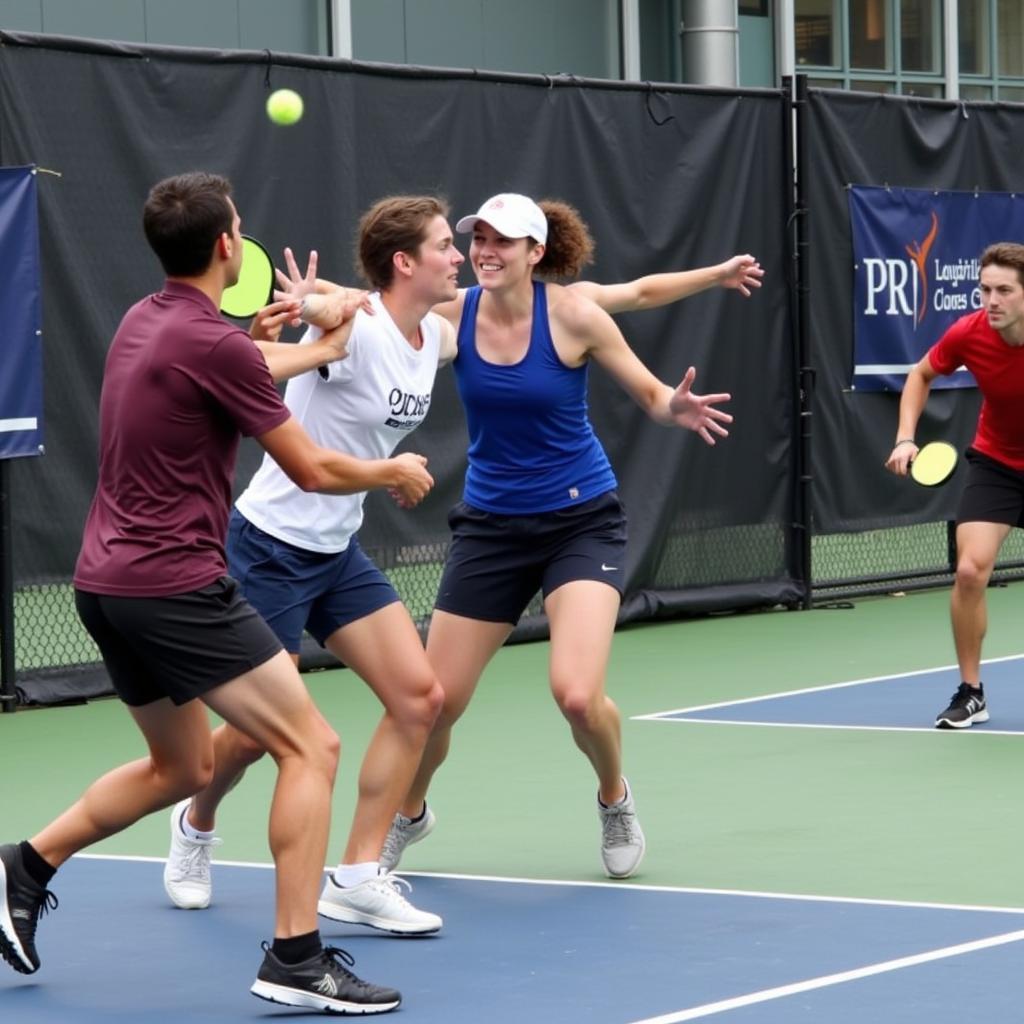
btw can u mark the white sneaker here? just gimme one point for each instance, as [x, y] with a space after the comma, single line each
[404, 831]
[187, 871]
[377, 902]
[622, 838]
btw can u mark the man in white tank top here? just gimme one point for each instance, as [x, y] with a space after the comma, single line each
[299, 562]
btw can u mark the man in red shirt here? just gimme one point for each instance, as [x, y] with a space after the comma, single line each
[180, 387]
[990, 343]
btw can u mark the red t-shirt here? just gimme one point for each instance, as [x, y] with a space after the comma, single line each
[998, 367]
[181, 385]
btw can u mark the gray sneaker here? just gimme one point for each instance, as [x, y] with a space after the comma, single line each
[187, 872]
[379, 903]
[622, 838]
[404, 831]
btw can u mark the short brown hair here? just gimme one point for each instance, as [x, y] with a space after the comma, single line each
[1005, 254]
[569, 246]
[183, 218]
[394, 224]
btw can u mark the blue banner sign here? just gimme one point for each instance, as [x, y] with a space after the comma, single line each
[916, 264]
[21, 368]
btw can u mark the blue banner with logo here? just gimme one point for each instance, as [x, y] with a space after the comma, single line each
[21, 368]
[916, 264]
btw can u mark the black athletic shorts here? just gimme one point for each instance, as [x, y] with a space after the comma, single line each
[180, 646]
[994, 492]
[496, 563]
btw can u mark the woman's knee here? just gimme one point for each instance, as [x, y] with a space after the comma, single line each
[581, 705]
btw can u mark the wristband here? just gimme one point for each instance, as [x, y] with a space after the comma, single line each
[906, 440]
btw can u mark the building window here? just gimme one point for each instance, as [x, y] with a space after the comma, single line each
[972, 27]
[871, 85]
[816, 36]
[897, 46]
[933, 89]
[1010, 33]
[920, 32]
[869, 35]
[754, 8]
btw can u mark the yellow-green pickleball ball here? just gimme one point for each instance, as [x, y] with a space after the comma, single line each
[284, 106]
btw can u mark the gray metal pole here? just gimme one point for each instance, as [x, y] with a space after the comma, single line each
[710, 32]
[341, 28]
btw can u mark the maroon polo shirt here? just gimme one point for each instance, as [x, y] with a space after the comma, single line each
[181, 385]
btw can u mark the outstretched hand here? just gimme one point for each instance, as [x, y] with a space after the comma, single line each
[742, 273]
[325, 309]
[698, 412]
[295, 285]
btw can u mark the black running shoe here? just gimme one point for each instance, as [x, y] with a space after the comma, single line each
[321, 983]
[967, 707]
[22, 901]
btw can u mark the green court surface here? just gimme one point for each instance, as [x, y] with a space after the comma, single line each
[923, 816]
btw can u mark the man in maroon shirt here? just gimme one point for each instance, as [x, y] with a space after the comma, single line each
[181, 385]
[990, 343]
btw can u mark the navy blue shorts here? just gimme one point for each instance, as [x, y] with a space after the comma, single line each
[180, 646]
[994, 492]
[295, 589]
[496, 563]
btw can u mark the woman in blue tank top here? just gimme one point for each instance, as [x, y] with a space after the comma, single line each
[540, 510]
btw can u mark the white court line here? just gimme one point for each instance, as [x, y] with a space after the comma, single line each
[765, 995]
[813, 689]
[681, 890]
[821, 725]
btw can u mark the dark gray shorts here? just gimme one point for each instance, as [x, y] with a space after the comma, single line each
[179, 647]
[496, 563]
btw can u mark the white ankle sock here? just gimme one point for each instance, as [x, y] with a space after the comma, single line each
[190, 831]
[347, 875]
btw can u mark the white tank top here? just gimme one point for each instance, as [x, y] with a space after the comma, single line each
[362, 405]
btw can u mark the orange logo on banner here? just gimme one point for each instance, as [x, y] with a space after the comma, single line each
[918, 252]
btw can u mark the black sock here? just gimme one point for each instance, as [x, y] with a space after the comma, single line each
[298, 948]
[40, 870]
[419, 817]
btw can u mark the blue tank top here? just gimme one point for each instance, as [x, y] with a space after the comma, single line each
[531, 446]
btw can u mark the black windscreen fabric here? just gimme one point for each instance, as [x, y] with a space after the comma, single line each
[860, 139]
[667, 178]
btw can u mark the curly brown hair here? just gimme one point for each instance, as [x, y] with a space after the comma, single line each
[569, 246]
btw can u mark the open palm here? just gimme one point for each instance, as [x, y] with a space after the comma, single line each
[698, 412]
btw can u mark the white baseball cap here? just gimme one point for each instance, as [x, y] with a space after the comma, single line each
[511, 215]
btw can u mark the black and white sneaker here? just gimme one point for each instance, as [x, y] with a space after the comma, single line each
[321, 983]
[22, 901]
[967, 707]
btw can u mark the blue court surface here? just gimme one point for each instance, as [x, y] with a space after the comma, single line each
[909, 701]
[519, 951]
